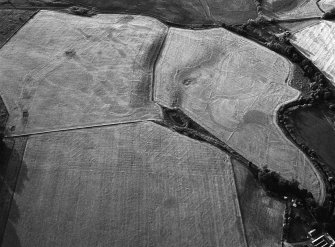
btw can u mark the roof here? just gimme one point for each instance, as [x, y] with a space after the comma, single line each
[324, 240]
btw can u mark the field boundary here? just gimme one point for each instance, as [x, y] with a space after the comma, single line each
[317, 4]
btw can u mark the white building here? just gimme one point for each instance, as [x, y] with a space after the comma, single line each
[324, 240]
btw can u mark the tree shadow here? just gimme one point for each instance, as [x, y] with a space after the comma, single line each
[13, 174]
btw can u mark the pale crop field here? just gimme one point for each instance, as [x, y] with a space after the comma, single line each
[233, 88]
[62, 71]
[316, 42]
[134, 184]
[291, 9]
[262, 215]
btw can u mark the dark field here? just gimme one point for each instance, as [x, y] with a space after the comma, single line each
[315, 127]
[10, 21]
[175, 11]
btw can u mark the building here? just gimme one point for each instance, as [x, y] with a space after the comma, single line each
[324, 240]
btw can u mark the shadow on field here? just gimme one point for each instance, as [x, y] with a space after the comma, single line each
[13, 174]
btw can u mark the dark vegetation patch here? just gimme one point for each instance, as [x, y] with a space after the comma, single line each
[82, 11]
[277, 185]
[329, 15]
[300, 81]
[11, 20]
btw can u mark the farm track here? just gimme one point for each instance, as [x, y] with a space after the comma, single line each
[76, 128]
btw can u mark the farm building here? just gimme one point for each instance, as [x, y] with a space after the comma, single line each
[325, 240]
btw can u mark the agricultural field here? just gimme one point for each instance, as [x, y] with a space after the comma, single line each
[174, 11]
[326, 5]
[210, 75]
[262, 215]
[316, 43]
[136, 184]
[291, 9]
[62, 71]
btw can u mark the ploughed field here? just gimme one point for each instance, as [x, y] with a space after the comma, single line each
[291, 9]
[87, 163]
[316, 43]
